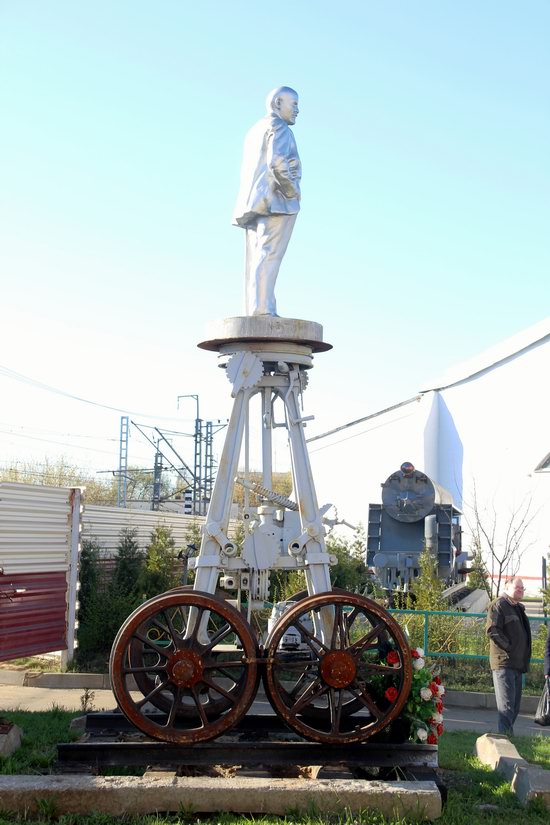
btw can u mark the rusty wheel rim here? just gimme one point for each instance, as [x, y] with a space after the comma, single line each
[181, 667]
[336, 691]
[215, 705]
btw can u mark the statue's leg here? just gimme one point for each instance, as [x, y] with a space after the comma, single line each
[272, 236]
[250, 262]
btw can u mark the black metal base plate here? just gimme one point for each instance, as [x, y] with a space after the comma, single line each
[258, 741]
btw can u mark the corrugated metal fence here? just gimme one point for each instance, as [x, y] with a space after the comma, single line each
[39, 542]
[104, 525]
[40, 533]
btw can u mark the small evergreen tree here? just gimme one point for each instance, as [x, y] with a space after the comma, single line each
[88, 575]
[358, 546]
[478, 575]
[128, 563]
[158, 571]
[428, 587]
[351, 572]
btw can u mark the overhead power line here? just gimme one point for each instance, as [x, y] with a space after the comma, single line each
[364, 418]
[32, 382]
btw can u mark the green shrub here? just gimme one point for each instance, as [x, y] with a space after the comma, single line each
[106, 604]
[159, 570]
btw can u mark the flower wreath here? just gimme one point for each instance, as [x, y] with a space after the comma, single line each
[421, 719]
[424, 707]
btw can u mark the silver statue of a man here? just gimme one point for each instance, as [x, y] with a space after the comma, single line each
[269, 198]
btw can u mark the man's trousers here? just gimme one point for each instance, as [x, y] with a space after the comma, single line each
[266, 243]
[508, 687]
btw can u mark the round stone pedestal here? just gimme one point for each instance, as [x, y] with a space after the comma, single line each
[264, 329]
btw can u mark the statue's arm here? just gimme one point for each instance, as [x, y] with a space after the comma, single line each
[283, 162]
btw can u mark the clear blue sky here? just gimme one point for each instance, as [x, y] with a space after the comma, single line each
[424, 235]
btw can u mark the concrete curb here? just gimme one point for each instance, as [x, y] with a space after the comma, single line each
[66, 681]
[531, 783]
[101, 681]
[117, 795]
[10, 741]
[527, 781]
[472, 699]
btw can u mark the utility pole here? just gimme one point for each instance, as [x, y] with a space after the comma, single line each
[197, 463]
[157, 478]
[123, 462]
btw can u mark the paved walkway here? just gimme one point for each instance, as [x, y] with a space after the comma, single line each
[15, 697]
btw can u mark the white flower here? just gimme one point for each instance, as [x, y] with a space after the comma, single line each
[437, 717]
[418, 664]
[426, 694]
[422, 734]
[420, 651]
[440, 690]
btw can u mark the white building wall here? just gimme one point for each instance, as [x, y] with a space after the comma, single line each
[490, 428]
[502, 416]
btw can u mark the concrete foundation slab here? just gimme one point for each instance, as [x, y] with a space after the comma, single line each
[117, 795]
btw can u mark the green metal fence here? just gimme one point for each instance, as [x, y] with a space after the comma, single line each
[450, 634]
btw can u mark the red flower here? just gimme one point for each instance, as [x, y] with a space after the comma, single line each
[437, 680]
[391, 694]
[439, 730]
[432, 739]
[433, 688]
[393, 657]
[439, 706]
[414, 654]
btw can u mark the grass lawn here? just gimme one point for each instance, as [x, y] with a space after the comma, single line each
[477, 795]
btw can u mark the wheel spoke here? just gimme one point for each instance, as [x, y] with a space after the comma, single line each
[301, 679]
[199, 705]
[152, 693]
[144, 640]
[314, 691]
[336, 626]
[174, 709]
[379, 668]
[219, 689]
[366, 700]
[344, 634]
[364, 640]
[222, 633]
[157, 623]
[336, 700]
[310, 638]
[176, 637]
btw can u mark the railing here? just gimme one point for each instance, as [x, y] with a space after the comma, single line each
[451, 632]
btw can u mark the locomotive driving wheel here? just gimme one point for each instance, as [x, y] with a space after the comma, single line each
[353, 675]
[194, 657]
[213, 704]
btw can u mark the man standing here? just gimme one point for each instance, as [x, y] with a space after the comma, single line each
[269, 198]
[509, 651]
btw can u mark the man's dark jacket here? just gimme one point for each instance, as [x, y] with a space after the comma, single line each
[509, 635]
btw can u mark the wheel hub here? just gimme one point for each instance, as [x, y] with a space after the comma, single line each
[185, 668]
[338, 668]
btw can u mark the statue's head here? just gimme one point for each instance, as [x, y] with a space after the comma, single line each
[283, 102]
